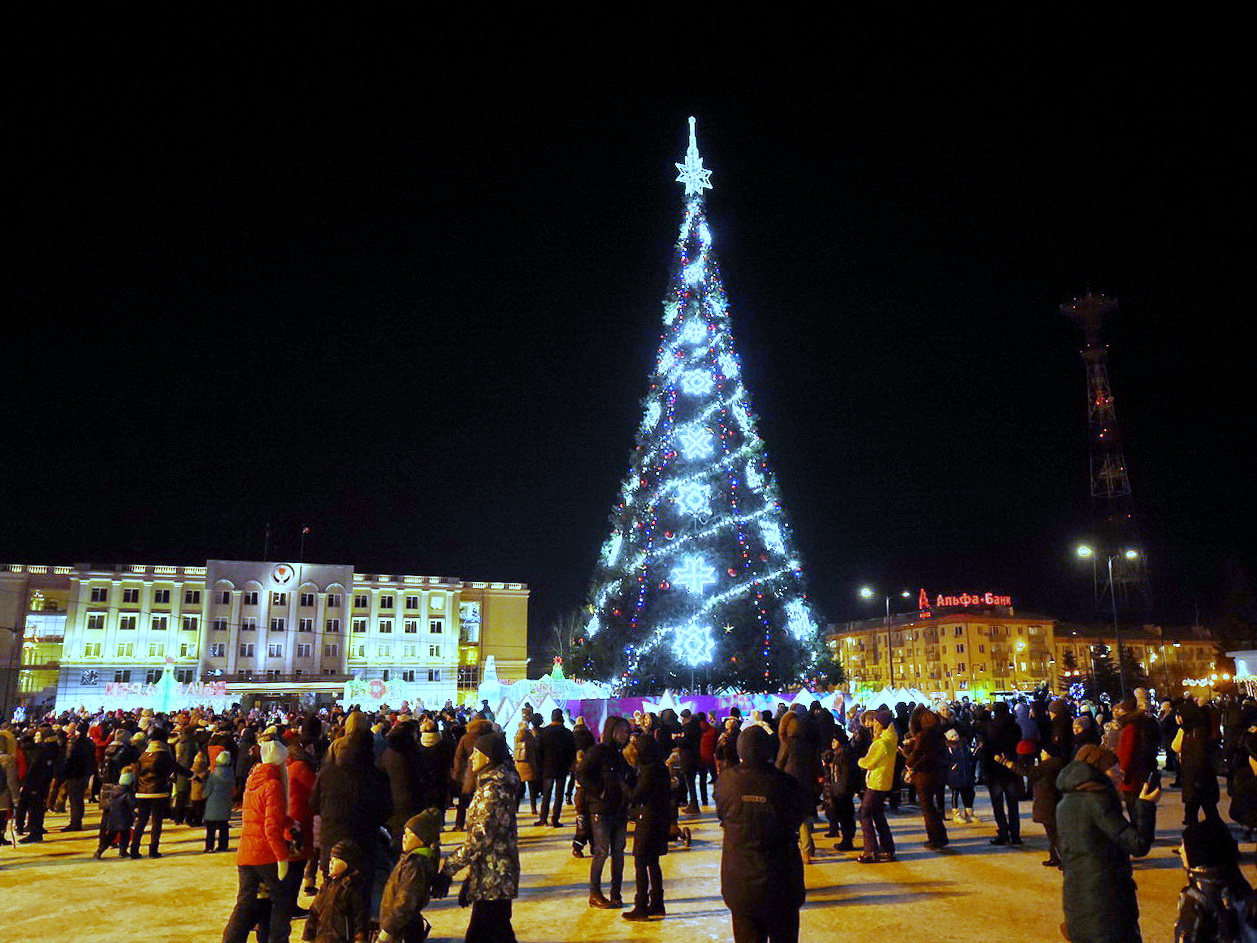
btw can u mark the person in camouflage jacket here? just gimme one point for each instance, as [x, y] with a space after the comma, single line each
[491, 849]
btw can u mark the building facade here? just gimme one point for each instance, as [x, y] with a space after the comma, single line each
[981, 651]
[234, 629]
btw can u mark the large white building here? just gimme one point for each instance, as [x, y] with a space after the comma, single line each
[234, 630]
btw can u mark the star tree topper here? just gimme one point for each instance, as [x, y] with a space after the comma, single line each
[695, 178]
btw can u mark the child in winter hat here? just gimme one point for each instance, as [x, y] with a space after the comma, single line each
[338, 912]
[410, 885]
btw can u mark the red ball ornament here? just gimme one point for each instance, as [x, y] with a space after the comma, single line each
[668, 534]
[665, 585]
[731, 571]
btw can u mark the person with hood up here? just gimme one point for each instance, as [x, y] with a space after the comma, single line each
[838, 790]
[1096, 844]
[490, 851]
[1042, 777]
[400, 762]
[262, 857]
[462, 776]
[879, 766]
[760, 808]
[556, 752]
[117, 807]
[154, 771]
[926, 757]
[218, 788]
[650, 801]
[798, 755]
[1198, 764]
[604, 776]
[42, 762]
[1218, 902]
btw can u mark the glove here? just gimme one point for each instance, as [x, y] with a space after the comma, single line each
[282, 867]
[464, 896]
[441, 885]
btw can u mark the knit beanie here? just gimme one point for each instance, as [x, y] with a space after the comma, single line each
[493, 745]
[273, 752]
[348, 852]
[356, 721]
[426, 826]
[884, 717]
[1095, 755]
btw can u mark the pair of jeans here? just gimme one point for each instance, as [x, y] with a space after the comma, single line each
[158, 809]
[610, 833]
[243, 916]
[552, 785]
[1005, 792]
[780, 928]
[877, 837]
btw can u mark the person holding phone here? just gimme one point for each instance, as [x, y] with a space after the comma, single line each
[1096, 842]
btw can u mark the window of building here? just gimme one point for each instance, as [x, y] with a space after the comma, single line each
[332, 626]
[218, 650]
[191, 597]
[224, 598]
[386, 626]
[305, 625]
[360, 625]
[469, 676]
[279, 599]
[91, 650]
[384, 651]
[249, 624]
[123, 676]
[436, 626]
[100, 594]
[960, 666]
[333, 600]
[156, 649]
[246, 674]
[128, 622]
[246, 649]
[297, 672]
[361, 601]
[386, 602]
[307, 600]
[130, 596]
[187, 649]
[219, 625]
[960, 648]
[959, 630]
[272, 673]
[159, 623]
[434, 674]
[411, 626]
[191, 623]
[126, 649]
[982, 649]
[412, 602]
[152, 675]
[184, 675]
[360, 651]
[275, 651]
[436, 602]
[386, 675]
[331, 651]
[408, 651]
[95, 620]
[434, 651]
[408, 674]
[249, 599]
[277, 624]
[161, 597]
[303, 650]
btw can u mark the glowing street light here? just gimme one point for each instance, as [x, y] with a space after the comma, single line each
[868, 592]
[1085, 551]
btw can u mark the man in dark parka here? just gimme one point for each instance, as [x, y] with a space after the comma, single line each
[1096, 844]
[761, 874]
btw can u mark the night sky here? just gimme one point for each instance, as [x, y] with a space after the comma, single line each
[414, 307]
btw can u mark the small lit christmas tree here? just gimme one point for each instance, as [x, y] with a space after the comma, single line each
[699, 582]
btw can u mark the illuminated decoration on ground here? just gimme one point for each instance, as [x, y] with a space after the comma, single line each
[697, 382]
[695, 443]
[693, 644]
[694, 575]
[699, 537]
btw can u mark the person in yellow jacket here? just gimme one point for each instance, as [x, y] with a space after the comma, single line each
[879, 779]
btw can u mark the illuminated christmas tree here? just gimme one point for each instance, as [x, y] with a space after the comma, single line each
[699, 581]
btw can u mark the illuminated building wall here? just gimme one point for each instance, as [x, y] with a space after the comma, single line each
[262, 628]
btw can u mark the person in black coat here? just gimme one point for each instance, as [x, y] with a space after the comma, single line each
[650, 802]
[925, 755]
[838, 790]
[80, 760]
[352, 798]
[401, 764]
[43, 759]
[556, 749]
[1198, 764]
[1000, 737]
[761, 873]
[688, 739]
[436, 758]
[799, 755]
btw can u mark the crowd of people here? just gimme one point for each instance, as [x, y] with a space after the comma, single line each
[373, 815]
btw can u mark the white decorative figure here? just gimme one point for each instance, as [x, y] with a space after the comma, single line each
[694, 574]
[693, 644]
[697, 382]
[695, 442]
[692, 173]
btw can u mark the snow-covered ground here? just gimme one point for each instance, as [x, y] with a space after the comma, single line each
[972, 893]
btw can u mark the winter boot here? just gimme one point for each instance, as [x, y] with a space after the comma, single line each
[656, 908]
[972, 817]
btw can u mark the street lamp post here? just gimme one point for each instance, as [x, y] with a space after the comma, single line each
[867, 592]
[1086, 551]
